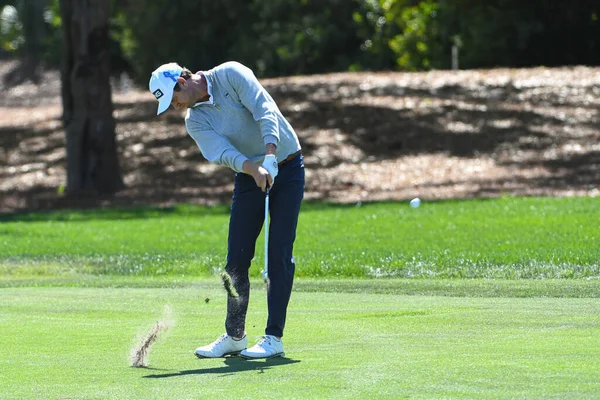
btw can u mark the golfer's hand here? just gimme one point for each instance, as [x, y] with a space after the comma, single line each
[270, 164]
[262, 177]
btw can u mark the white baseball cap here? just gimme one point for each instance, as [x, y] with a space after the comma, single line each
[162, 83]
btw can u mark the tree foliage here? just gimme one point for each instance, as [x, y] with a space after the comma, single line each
[285, 37]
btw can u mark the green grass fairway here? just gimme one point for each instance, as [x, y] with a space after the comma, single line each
[507, 238]
[479, 299]
[74, 343]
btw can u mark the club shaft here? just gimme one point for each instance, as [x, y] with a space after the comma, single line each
[266, 267]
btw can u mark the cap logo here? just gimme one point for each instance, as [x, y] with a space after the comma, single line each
[171, 74]
[158, 94]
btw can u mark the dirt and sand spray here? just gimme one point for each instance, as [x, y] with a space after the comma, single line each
[141, 349]
[228, 285]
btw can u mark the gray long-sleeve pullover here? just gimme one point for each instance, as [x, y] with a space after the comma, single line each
[238, 120]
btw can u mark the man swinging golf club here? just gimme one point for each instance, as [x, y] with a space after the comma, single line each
[237, 124]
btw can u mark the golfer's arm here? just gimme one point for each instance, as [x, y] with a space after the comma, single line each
[250, 168]
[270, 148]
[256, 100]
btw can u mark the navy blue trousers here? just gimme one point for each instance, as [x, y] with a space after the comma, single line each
[245, 225]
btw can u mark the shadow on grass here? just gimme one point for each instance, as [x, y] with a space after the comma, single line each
[115, 213]
[232, 365]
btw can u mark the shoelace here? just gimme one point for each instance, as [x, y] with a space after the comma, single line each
[220, 339]
[265, 339]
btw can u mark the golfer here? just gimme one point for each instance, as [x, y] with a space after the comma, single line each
[237, 124]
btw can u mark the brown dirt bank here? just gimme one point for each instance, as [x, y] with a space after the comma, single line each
[366, 137]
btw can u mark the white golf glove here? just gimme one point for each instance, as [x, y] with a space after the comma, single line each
[270, 164]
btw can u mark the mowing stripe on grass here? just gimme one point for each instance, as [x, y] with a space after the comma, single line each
[506, 238]
[74, 343]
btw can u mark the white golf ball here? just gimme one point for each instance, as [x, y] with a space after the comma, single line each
[416, 202]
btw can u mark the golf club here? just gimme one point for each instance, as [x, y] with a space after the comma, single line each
[265, 271]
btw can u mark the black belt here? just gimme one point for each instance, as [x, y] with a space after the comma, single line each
[290, 157]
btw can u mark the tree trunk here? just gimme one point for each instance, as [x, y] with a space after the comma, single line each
[92, 161]
[31, 15]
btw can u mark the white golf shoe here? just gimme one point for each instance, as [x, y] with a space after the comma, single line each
[225, 345]
[267, 347]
